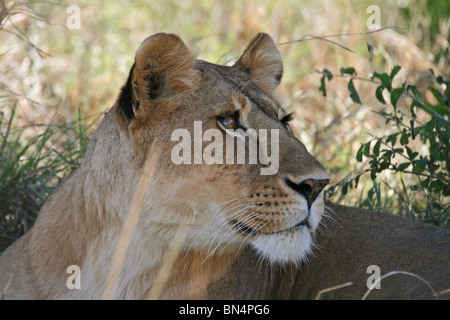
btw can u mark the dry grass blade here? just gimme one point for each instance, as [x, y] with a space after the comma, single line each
[131, 221]
[339, 286]
[165, 270]
[399, 272]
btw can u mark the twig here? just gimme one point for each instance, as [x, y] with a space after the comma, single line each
[324, 38]
[316, 38]
[363, 33]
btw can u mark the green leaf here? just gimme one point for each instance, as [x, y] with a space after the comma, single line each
[418, 130]
[350, 71]
[417, 169]
[379, 94]
[411, 155]
[344, 189]
[357, 181]
[404, 139]
[394, 71]
[415, 91]
[403, 166]
[386, 154]
[386, 81]
[425, 183]
[322, 87]
[329, 192]
[421, 163]
[437, 206]
[440, 79]
[373, 174]
[395, 95]
[413, 133]
[437, 95]
[446, 191]
[328, 75]
[376, 148]
[392, 139]
[384, 165]
[359, 154]
[353, 94]
[366, 150]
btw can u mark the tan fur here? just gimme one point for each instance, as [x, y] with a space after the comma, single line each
[140, 226]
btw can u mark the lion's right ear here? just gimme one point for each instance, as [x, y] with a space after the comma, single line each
[163, 71]
[262, 61]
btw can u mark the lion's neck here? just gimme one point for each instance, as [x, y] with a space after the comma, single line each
[145, 269]
[149, 272]
[191, 275]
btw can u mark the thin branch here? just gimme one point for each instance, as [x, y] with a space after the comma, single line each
[316, 38]
[362, 33]
[324, 38]
[36, 14]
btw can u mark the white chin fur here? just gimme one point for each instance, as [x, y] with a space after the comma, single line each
[291, 246]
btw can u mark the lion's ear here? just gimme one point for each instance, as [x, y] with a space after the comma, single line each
[163, 70]
[262, 61]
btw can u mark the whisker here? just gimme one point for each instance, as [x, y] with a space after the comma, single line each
[228, 202]
[259, 224]
[230, 229]
[240, 213]
[255, 229]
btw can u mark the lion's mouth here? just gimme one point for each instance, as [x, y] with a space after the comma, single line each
[248, 231]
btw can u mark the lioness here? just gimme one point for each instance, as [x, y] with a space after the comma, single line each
[134, 221]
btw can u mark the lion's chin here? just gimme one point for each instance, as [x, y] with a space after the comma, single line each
[290, 246]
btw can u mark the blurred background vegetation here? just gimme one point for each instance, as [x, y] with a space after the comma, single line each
[56, 82]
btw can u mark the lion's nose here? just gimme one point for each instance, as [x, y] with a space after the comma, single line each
[309, 188]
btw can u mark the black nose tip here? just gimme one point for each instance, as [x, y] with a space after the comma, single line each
[309, 188]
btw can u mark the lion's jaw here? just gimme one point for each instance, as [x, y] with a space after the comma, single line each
[294, 243]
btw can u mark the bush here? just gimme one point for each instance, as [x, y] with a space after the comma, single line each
[31, 165]
[417, 152]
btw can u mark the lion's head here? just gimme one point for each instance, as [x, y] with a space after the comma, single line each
[267, 193]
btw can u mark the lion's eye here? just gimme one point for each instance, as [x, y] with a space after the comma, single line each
[229, 122]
